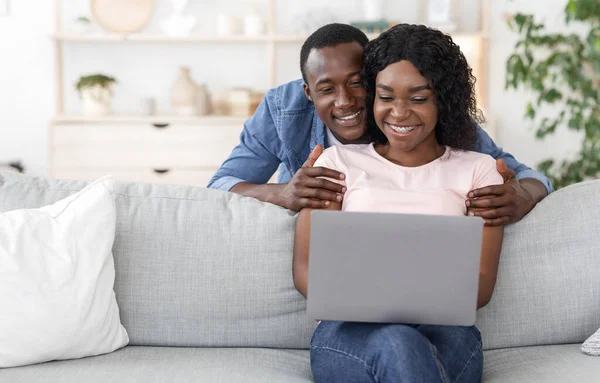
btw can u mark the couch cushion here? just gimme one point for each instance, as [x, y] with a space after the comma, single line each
[194, 267]
[171, 364]
[548, 289]
[560, 363]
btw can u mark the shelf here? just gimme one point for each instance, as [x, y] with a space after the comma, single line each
[207, 39]
[132, 119]
[156, 38]
[371, 36]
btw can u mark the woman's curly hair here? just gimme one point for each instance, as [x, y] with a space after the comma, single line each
[442, 63]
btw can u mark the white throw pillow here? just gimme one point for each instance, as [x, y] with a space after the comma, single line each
[56, 279]
[592, 345]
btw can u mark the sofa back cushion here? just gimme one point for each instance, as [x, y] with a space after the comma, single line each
[548, 288]
[194, 267]
[198, 267]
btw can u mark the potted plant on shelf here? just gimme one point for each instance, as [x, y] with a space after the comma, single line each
[82, 24]
[563, 72]
[96, 93]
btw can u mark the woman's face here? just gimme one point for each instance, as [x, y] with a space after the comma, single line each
[404, 106]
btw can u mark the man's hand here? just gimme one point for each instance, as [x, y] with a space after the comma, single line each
[305, 189]
[501, 204]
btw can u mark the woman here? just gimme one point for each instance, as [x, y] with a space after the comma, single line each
[422, 113]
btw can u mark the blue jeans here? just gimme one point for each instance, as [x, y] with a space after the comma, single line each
[370, 352]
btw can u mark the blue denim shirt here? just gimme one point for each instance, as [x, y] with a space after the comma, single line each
[284, 130]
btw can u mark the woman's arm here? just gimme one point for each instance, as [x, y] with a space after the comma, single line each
[490, 256]
[302, 246]
[486, 174]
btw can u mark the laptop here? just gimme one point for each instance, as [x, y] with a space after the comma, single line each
[394, 268]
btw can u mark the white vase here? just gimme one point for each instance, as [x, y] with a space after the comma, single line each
[227, 25]
[95, 100]
[439, 15]
[203, 100]
[373, 10]
[253, 24]
[178, 24]
[184, 94]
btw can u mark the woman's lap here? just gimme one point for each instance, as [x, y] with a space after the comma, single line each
[371, 352]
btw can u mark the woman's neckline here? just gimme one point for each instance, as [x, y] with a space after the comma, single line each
[444, 156]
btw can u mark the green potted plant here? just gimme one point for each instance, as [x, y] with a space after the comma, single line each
[96, 93]
[562, 70]
[82, 24]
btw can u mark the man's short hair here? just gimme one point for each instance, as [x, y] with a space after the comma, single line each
[330, 35]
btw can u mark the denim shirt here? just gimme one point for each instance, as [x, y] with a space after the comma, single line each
[284, 130]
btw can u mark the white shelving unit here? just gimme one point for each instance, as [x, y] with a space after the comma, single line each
[158, 38]
[133, 119]
[271, 38]
[176, 149]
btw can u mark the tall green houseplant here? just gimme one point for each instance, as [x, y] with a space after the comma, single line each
[563, 71]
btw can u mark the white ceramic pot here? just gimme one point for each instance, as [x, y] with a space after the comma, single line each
[227, 25]
[81, 27]
[253, 24]
[95, 101]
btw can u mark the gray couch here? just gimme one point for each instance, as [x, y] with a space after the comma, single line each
[204, 285]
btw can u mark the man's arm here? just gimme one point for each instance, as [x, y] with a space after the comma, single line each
[304, 190]
[523, 188]
[254, 159]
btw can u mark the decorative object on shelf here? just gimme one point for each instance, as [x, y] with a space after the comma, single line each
[371, 26]
[313, 19]
[178, 24]
[149, 106]
[203, 100]
[122, 16]
[440, 15]
[184, 94]
[244, 101]
[227, 25]
[12, 166]
[220, 103]
[255, 101]
[253, 23]
[96, 93]
[82, 24]
[373, 10]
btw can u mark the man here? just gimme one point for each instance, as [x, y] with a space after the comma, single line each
[327, 107]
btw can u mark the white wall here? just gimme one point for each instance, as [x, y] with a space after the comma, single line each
[27, 84]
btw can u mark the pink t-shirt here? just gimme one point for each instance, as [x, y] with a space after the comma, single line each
[440, 187]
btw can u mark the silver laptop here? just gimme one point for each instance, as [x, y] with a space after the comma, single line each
[394, 268]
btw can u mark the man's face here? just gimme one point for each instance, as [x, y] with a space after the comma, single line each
[335, 87]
